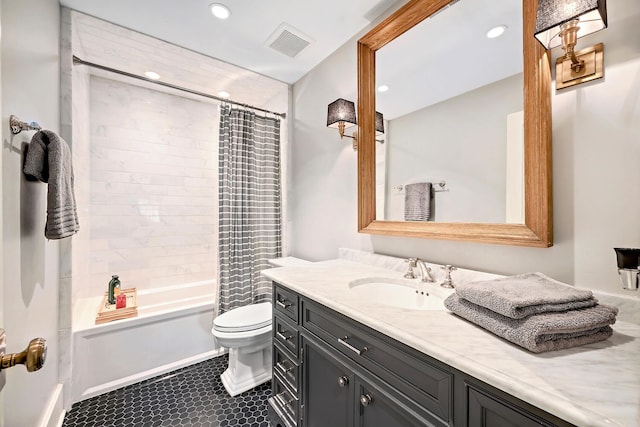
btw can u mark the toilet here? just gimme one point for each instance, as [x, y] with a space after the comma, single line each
[246, 332]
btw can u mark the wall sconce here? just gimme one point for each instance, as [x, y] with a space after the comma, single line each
[342, 112]
[562, 22]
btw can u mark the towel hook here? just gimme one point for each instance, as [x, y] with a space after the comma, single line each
[18, 125]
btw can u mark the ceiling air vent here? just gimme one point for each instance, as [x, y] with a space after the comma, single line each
[288, 40]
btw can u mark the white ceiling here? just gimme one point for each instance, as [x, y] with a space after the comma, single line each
[241, 39]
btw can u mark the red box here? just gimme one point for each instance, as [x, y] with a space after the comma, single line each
[121, 301]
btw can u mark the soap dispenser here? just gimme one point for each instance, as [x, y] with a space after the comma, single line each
[628, 267]
[113, 284]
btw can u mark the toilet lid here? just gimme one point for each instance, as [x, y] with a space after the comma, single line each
[247, 318]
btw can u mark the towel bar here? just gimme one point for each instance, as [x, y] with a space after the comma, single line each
[18, 125]
[441, 184]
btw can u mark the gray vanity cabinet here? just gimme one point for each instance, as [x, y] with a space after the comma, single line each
[335, 394]
[331, 371]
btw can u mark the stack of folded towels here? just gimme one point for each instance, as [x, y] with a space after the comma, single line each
[534, 311]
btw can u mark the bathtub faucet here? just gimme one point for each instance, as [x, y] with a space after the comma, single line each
[113, 284]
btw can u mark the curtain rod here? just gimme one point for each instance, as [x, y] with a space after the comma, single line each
[78, 61]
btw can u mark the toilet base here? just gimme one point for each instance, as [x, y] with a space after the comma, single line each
[246, 370]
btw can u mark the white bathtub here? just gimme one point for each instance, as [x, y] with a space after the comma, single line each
[172, 330]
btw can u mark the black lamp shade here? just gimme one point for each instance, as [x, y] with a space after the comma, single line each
[553, 13]
[341, 110]
[379, 123]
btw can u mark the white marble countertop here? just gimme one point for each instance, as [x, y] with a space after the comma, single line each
[592, 385]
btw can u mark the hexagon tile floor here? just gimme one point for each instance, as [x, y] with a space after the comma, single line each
[191, 397]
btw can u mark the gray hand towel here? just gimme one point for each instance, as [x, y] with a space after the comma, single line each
[417, 201]
[36, 163]
[49, 160]
[541, 332]
[526, 294]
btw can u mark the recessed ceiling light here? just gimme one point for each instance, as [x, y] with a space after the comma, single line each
[383, 88]
[152, 75]
[220, 11]
[224, 94]
[496, 31]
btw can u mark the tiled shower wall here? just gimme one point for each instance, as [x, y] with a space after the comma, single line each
[144, 157]
[153, 209]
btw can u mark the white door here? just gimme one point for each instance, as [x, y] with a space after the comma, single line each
[28, 263]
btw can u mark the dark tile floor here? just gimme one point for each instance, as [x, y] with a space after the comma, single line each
[193, 396]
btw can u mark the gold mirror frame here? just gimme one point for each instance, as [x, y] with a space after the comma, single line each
[538, 227]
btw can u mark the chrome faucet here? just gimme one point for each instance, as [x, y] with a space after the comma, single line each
[425, 272]
[413, 262]
[448, 282]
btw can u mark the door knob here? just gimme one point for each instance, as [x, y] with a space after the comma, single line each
[33, 357]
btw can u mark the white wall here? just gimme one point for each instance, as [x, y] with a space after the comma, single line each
[30, 90]
[595, 166]
[324, 176]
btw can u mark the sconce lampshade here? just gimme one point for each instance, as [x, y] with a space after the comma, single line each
[341, 110]
[553, 13]
[379, 123]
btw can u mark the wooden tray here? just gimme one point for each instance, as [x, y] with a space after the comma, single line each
[108, 312]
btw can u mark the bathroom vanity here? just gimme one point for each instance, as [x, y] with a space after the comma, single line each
[341, 359]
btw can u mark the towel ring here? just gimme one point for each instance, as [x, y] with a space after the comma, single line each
[18, 125]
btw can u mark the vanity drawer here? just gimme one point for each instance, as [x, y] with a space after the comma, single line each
[286, 367]
[286, 334]
[285, 401]
[286, 302]
[406, 369]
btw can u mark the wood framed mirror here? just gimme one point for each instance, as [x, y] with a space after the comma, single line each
[537, 229]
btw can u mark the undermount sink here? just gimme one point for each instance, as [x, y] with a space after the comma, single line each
[400, 293]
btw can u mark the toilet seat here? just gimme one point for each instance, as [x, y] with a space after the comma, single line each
[243, 319]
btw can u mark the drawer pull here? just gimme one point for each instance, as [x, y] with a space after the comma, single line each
[344, 342]
[365, 399]
[282, 397]
[283, 368]
[284, 304]
[343, 381]
[283, 336]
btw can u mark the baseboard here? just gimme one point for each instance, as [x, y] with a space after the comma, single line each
[141, 376]
[53, 416]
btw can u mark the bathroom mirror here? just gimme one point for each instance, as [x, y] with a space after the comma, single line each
[536, 229]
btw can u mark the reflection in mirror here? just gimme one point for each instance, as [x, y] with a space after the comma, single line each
[466, 129]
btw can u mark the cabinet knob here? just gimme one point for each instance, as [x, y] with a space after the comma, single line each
[365, 399]
[343, 381]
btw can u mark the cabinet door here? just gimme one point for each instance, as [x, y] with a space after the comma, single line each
[376, 406]
[327, 387]
[487, 411]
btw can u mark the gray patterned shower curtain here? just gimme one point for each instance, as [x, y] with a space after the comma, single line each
[249, 205]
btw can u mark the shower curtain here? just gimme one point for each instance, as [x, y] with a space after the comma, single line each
[249, 205]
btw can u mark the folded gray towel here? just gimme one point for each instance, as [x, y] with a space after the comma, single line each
[49, 160]
[526, 294]
[541, 332]
[417, 201]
